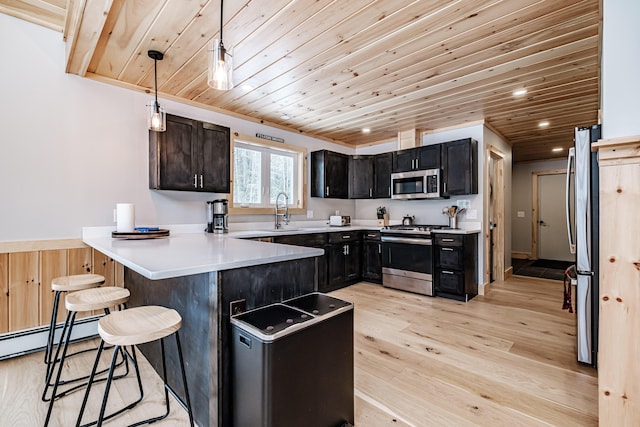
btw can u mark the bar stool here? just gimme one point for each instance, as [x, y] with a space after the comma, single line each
[102, 298]
[132, 327]
[59, 285]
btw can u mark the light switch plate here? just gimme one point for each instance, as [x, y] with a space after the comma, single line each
[309, 214]
[463, 204]
[520, 214]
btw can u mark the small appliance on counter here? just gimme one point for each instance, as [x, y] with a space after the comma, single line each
[217, 216]
[339, 220]
[383, 216]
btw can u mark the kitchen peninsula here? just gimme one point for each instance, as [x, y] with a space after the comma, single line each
[199, 275]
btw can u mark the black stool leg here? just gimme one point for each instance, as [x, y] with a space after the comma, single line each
[52, 328]
[184, 379]
[108, 386]
[70, 318]
[62, 343]
[90, 383]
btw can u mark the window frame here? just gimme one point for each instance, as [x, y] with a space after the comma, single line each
[301, 152]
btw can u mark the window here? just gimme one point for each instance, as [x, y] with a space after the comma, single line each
[262, 170]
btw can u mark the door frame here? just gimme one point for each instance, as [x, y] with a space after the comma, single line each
[499, 216]
[535, 208]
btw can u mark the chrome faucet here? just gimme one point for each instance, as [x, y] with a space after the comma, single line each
[278, 214]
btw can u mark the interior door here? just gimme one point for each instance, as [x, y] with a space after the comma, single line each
[552, 220]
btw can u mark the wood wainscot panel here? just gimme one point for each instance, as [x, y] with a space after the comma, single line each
[79, 262]
[52, 264]
[4, 293]
[24, 291]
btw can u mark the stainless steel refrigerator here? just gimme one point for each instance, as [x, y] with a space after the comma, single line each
[584, 244]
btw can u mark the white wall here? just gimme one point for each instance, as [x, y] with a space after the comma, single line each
[620, 65]
[70, 148]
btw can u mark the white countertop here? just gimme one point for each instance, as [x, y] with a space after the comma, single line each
[193, 253]
[189, 250]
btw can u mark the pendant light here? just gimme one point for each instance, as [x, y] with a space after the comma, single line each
[157, 118]
[220, 75]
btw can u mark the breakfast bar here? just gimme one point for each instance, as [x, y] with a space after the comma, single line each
[200, 275]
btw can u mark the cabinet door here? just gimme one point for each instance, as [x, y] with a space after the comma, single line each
[428, 157]
[404, 160]
[4, 293]
[382, 170]
[353, 262]
[460, 167]
[336, 265]
[337, 175]
[215, 158]
[52, 264]
[361, 177]
[24, 290]
[172, 154]
[372, 261]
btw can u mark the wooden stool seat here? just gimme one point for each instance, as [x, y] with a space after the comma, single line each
[76, 282]
[96, 298]
[139, 325]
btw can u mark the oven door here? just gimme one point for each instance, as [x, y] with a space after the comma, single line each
[407, 264]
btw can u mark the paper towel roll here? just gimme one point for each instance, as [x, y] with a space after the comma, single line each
[125, 217]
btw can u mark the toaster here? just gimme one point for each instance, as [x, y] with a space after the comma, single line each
[339, 220]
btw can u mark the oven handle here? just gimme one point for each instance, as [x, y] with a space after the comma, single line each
[423, 242]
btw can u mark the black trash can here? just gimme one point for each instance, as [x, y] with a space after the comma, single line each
[293, 364]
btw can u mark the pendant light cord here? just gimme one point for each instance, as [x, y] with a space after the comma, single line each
[155, 79]
[221, 21]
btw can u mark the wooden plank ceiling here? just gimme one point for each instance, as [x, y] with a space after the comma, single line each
[328, 68]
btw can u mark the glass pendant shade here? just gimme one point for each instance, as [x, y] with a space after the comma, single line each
[220, 74]
[156, 117]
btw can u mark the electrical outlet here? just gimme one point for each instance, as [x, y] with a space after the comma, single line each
[238, 306]
[462, 204]
[309, 214]
[471, 214]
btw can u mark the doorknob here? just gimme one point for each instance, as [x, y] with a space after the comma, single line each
[542, 223]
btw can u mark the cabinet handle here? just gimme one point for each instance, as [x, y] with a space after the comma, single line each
[195, 181]
[201, 186]
[447, 240]
[447, 249]
[346, 236]
[379, 248]
[370, 192]
[344, 249]
[444, 185]
[327, 191]
[446, 272]
[389, 191]
[418, 163]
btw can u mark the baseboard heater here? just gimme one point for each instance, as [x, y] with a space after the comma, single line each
[27, 341]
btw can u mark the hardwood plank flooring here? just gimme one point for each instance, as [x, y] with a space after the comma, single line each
[507, 358]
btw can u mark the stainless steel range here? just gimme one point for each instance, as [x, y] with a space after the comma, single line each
[407, 258]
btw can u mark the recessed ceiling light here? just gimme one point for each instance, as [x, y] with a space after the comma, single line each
[519, 92]
[247, 87]
[366, 130]
[543, 124]
[285, 117]
[557, 149]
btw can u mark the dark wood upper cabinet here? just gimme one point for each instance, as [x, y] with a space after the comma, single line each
[419, 158]
[190, 156]
[460, 167]
[361, 177]
[329, 174]
[382, 170]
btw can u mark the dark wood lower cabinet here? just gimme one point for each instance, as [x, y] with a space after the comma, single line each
[455, 262]
[372, 257]
[344, 253]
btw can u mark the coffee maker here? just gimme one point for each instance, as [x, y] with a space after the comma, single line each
[217, 214]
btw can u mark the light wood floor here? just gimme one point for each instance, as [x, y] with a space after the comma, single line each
[504, 359]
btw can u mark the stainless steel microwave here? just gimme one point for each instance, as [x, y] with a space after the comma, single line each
[422, 184]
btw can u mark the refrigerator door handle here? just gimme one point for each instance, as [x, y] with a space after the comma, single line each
[570, 161]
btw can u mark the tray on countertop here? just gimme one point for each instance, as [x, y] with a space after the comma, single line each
[141, 233]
